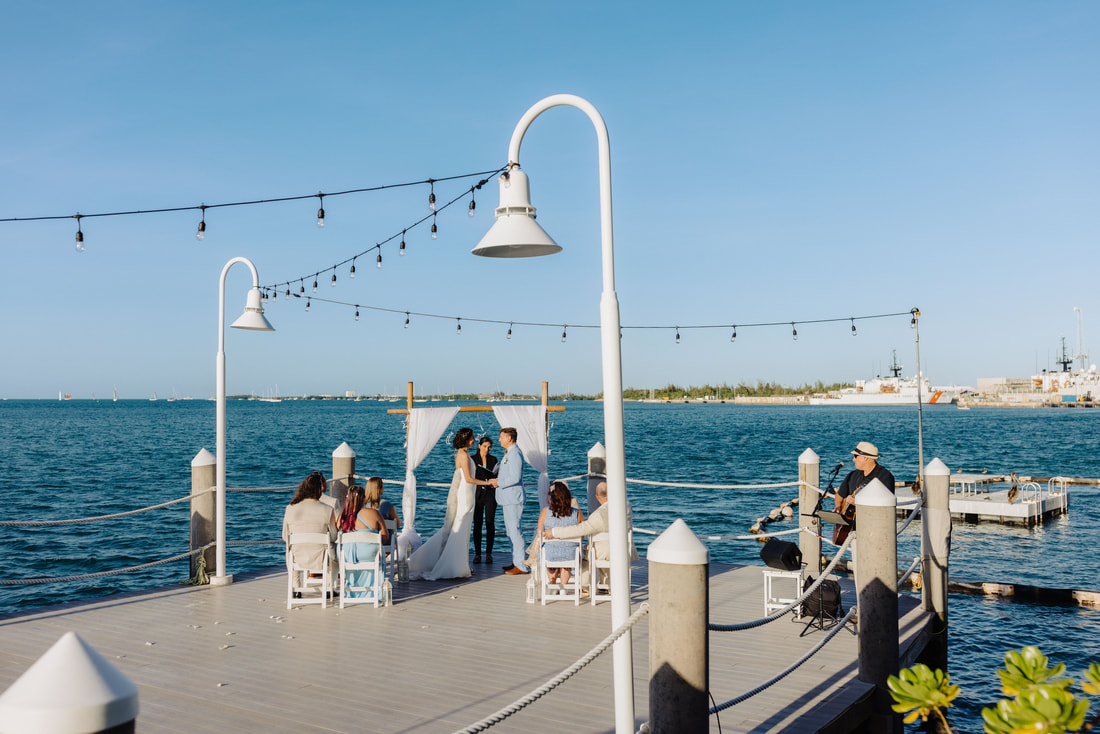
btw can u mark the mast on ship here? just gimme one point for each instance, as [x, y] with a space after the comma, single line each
[1065, 361]
[895, 367]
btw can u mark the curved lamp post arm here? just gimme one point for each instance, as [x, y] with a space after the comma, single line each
[611, 350]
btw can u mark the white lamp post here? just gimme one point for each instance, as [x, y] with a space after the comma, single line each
[516, 234]
[252, 318]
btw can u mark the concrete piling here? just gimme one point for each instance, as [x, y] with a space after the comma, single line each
[935, 554]
[809, 473]
[203, 469]
[877, 594]
[343, 472]
[679, 657]
[597, 469]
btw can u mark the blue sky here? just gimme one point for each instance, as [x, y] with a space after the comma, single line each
[770, 162]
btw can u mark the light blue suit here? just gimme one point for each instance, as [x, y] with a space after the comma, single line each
[510, 498]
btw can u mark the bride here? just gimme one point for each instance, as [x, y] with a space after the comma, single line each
[446, 555]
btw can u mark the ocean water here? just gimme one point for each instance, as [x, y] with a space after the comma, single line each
[83, 458]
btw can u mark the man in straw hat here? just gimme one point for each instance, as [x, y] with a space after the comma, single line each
[865, 457]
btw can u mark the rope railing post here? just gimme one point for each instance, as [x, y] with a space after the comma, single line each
[876, 561]
[809, 476]
[203, 470]
[679, 658]
[935, 551]
[343, 472]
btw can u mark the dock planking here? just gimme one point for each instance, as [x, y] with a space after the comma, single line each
[445, 655]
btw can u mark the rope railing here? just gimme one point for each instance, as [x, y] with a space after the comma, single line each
[912, 516]
[780, 612]
[100, 574]
[521, 703]
[757, 536]
[73, 521]
[912, 567]
[789, 669]
[261, 489]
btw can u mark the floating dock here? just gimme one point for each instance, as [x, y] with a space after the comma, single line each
[446, 655]
[978, 498]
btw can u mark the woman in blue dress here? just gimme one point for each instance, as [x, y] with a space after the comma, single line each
[558, 514]
[358, 517]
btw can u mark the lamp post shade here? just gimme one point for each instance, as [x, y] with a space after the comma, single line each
[515, 232]
[253, 317]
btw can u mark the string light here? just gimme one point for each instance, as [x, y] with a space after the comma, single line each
[301, 286]
[431, 196]
[79, 235]
[307, 305]
[473, 204]
[733, 336]
[379, 259]
[315, 282]
[853, 327]
[563, 328]
[406, 319]
[434, 228]
[459, 332]
[509, 330]
[357, 313]
[401, 251]
[677, 334]
[201, 234]
[288, 294]
[321, 212]
[351, 274]
[794, 332]
[333, 284]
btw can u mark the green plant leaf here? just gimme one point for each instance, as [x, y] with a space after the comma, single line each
[1044, 710]
[1091, 683]
[1027, 669]
[919, 690]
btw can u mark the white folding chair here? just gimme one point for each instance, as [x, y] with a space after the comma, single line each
[571, 589]
[300, 579]
[390, 549]
[363, 594]
[595, 586]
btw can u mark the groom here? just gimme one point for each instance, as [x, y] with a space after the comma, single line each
[509, 484]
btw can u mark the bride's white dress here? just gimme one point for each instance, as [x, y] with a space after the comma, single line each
[446, 555]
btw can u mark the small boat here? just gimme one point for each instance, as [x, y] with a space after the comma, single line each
[154, 398]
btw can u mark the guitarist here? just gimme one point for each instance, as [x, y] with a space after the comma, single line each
[865, 457]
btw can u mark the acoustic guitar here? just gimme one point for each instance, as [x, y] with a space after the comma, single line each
[847, 510]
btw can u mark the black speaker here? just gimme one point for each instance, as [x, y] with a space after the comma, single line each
[781, 555]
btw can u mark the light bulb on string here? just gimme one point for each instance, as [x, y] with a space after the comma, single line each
[79, 235]
[509, 330]
[563, 328]
[677, 334]
[431, 196]
[333, 284]
[379, 259]
[401, 250]
[287, 294]
[434, 228]
[406, 319]
[794, 332]
[853, 326]
[351, 274]
[459, 330]
[321, 212]
[301, 286]
[733, 336]
[473, 204]
[357, 313]
[201, 234]
[315, 282]
[307, 305]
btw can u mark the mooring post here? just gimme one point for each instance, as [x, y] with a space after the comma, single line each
[70, 689]
[203, 469]
[935, 551]
[343, 472]
[597, 470]
[877, 594]
[809, 475]
[679, 660]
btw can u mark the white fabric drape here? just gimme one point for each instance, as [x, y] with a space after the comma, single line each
[426, 425]
[530, 424]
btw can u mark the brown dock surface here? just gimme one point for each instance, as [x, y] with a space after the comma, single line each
[446, 655]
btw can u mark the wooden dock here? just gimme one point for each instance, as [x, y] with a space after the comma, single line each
[444, 656]
[977, 498]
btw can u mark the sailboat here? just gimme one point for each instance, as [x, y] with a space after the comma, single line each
[154, 398]
[270, 399]
[115, 391]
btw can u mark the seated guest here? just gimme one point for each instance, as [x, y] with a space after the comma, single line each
[595, 524]
[385, 507]
[333, 502]
[356, 516]
[560, 513]
[307, 514]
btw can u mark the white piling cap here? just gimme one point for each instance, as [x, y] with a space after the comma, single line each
[936, 468]
[343, 451]
[678, 545]
[809, 456]
[203, 458]
[875, 494]
[71, 688]
[597, 451]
